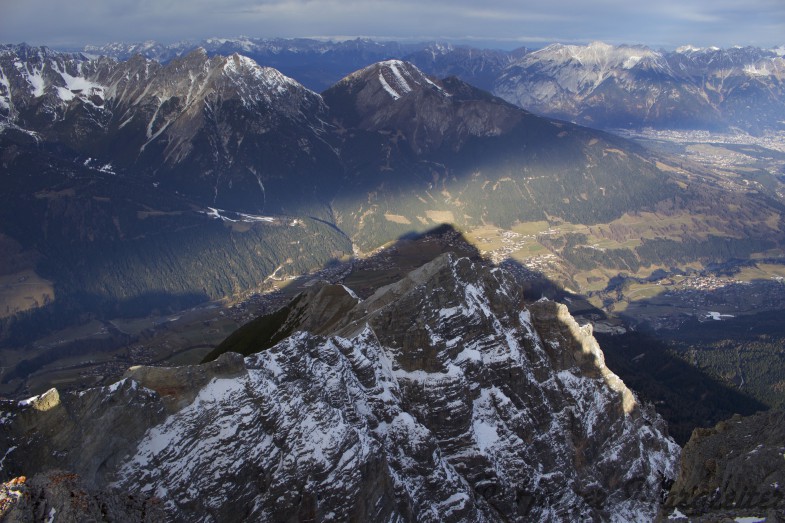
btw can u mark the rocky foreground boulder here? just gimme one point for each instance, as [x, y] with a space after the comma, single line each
[733, 470]
[62, 496]
[443, 397]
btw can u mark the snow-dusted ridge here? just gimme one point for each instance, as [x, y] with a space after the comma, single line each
[406, 410]
[211, 113]
[602, 85]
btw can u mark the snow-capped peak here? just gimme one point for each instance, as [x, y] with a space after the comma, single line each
[391, 76]
[237, 66]
[591, 55]
[688, 49]
[396, 77]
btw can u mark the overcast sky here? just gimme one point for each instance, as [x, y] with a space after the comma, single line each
[496, 23]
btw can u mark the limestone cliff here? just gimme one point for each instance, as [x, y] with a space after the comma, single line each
[442, 397]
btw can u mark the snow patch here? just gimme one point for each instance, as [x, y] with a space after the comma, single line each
[78, 83]
[631, 62]
[64, 94]
[454, 503]
[351, 292]
[677, 514]
[757, 70]
[485, 435]
[387, 87]
[7, 452]
[36, 80]
[221, 214]
[484, 428]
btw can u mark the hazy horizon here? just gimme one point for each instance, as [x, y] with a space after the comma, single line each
[502, 24]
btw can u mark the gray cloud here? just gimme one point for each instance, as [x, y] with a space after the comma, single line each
[661, 23]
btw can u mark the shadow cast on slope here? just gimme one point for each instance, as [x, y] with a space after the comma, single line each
[685, 396]
[387, 266]
[21, 331]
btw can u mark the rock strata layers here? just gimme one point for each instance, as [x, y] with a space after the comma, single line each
[733, 470]
[442, 397]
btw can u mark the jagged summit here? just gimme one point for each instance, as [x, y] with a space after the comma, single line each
[222, 129]
[440, 398]
[593, 54]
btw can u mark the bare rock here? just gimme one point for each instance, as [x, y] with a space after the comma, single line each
[736, 469]
[61, 496]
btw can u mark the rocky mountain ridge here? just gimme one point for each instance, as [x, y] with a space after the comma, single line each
[633, 86]
[211, 128]
[477, 409]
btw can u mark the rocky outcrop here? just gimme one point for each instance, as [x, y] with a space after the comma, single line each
[179, 386]
[318, 310]
[87, 433]
[61, 496]
[439, 398]
[736, 469]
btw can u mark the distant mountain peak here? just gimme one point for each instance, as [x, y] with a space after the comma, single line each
[271, 78]
[593, 54]
[395, 77]
[686, 49]
[395, 95]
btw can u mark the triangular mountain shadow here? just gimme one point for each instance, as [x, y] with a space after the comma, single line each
[685, 396]
[317, 308]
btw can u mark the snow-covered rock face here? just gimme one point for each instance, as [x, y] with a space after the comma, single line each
[32, 76]
[396, 96]
[633, 86]
[576, 70]
[439, 398]
[222, 130]
[28, 73]
[171, 102]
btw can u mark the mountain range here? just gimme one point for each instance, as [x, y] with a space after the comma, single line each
[598, 85]
[134, 185]
[129, 170]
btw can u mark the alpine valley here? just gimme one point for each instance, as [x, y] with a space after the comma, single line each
[413, 265]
